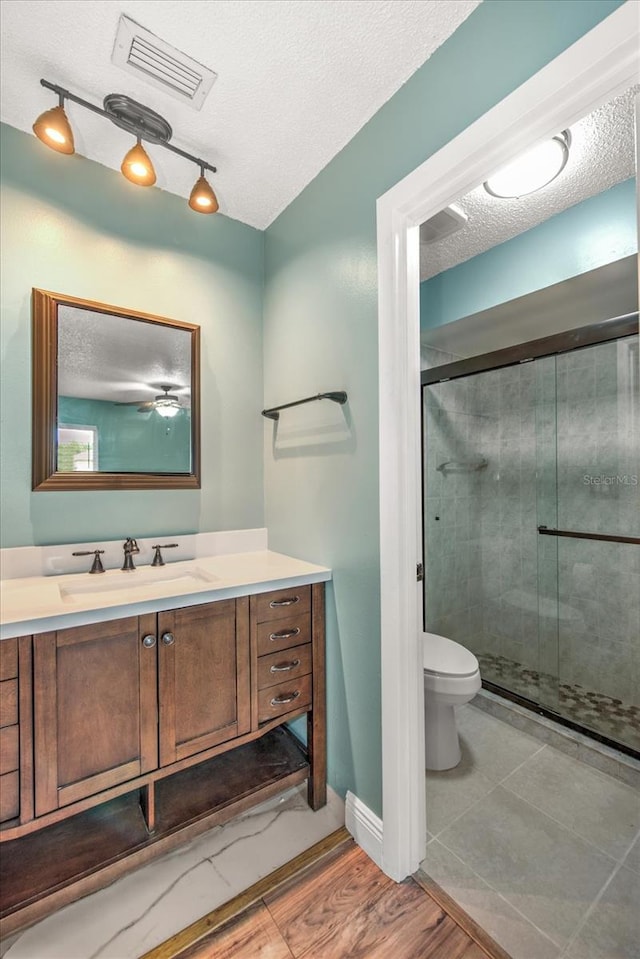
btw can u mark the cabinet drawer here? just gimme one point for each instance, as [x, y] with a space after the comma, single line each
[284, 666]
[8, 749]
[9, 702]
[9, 801]
[284, 698]
[8, 658]
[282, 603]
[295, 630]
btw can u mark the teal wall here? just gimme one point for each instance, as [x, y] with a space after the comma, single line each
[129, 441]
[588, 235]
[72, 226]
[320, 329]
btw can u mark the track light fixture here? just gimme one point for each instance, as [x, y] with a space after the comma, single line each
[203, 199]
[137, 167]
[53, 128]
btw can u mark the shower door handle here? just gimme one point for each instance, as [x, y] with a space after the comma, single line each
[576, 534]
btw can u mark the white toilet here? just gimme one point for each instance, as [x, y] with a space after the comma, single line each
[451, 678]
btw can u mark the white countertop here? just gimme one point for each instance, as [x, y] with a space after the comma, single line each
[38, 604]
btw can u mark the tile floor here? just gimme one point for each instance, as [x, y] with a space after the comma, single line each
[149, 905]
[541, 849]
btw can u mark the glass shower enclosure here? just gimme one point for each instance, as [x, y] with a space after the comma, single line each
[531, 507]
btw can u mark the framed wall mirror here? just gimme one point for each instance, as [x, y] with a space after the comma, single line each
[115, 397]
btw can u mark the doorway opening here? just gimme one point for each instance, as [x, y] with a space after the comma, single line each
[601, 65]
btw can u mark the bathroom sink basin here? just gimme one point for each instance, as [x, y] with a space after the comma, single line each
[145, 583]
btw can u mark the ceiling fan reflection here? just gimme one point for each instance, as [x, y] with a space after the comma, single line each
[166, 404]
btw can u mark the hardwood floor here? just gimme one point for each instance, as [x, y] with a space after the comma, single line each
[343, 907]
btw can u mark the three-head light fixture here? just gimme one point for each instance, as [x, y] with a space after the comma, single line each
[53, 128]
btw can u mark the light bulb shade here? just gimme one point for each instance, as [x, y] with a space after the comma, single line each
[53, 128]
[532, 170]
[167, 410]
[137, 167]
[202, 198]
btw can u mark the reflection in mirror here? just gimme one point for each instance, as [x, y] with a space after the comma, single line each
[114, 378]
[119, 391]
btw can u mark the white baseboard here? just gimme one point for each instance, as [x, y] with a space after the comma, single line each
[365, 827]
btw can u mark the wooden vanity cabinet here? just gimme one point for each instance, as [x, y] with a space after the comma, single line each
[114, 700]
[139, 733]
[288, 658]
[95, 710]
[16, 753]
[204, 688]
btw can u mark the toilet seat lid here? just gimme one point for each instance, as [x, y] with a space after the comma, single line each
[446, 657]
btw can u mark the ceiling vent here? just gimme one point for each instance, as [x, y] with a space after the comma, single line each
[444, 223]
[138, 51]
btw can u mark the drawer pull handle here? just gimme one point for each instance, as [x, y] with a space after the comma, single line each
[149, 642]
[285, 667]
[168, 639]
[285, 698]
[284, 602]
[284, 634]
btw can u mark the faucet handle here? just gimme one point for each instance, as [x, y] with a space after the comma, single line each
[157, 559]
[97, 566]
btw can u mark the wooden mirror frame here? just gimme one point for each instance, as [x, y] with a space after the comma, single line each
[44, 366]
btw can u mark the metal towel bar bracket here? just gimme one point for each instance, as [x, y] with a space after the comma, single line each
[338, 396]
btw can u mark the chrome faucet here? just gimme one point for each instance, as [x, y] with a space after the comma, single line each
[130, 546]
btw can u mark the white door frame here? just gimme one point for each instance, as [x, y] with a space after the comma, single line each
[600, 65]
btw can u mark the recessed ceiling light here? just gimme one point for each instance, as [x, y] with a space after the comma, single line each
[532, 170]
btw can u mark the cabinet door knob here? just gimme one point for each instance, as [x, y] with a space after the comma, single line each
[168, 639]
[149, 641]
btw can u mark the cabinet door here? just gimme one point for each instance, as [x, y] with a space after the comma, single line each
[95, 709]
[203, 677]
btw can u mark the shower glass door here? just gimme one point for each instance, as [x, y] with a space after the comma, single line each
[480, 537]
[531, 498]
[588, 508]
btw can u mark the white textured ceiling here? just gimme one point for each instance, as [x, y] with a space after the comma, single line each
[296, 80]
[113, 357]
[602, 154]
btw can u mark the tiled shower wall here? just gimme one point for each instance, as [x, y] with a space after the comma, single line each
[569, 608]
[598, 435]
[481, 552]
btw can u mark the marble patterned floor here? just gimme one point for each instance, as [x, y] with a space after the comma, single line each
[149, 905]
[542, 850]
[610, 717]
